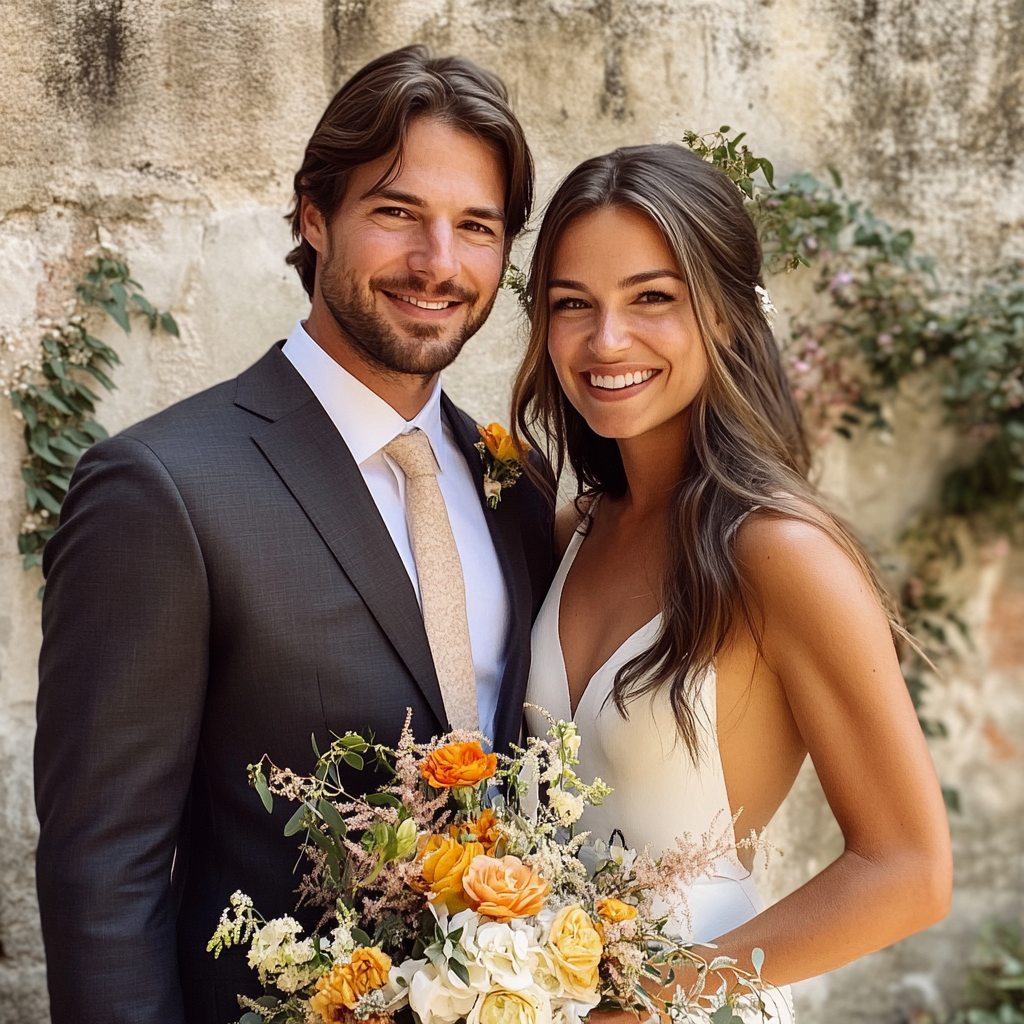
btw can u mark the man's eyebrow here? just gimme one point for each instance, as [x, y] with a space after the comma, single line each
[396, 195]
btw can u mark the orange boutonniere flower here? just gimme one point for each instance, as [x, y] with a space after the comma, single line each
[502, 460]
[458, 764]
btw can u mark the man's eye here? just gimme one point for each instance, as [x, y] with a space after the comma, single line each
[393, 211]
[570, 303]
[653, 296]
[479, 228]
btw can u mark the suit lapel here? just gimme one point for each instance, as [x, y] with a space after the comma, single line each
[309, 455]
[503, 525]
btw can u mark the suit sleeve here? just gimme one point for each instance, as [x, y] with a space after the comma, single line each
[122, 681]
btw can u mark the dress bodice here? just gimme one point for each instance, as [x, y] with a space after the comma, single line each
[660, 791]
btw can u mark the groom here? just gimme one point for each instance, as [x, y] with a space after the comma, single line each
[303, 550]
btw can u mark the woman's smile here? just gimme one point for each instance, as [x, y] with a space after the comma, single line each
[622, 325]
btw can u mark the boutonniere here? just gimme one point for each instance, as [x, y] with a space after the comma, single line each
[501, 456]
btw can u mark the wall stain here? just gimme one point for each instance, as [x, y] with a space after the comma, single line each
[90, 44]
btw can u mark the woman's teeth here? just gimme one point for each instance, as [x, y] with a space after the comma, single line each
[622, 380]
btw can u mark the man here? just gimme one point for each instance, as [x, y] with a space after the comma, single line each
[304, 550]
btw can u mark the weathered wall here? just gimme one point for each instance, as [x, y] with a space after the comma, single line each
[176, 125]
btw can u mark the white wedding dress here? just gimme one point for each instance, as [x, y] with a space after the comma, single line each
[659, 794]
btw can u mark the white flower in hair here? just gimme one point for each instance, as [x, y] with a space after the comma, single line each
[768, 309]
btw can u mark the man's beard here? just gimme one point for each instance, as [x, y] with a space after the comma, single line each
[377, 341]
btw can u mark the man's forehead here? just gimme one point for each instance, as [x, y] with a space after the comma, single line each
[436, 164]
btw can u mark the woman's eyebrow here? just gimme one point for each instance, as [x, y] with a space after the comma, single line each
[564, 282]
[647, 275]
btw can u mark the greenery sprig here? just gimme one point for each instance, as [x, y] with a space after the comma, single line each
[885, 322]
[54, 394]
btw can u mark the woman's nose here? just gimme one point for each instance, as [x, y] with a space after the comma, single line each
[611, 337]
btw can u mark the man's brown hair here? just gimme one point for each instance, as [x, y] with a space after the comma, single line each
[370, 116]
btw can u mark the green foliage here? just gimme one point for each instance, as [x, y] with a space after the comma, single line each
[884, 323]
[55, 396]
[996, 985]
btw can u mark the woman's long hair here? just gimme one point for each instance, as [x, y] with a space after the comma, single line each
[746, 447]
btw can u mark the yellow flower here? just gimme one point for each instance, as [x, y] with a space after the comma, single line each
[615, 910]
[458, 764]
[576, 950]
[503, 1007]
[444, 863]
[504, 889]
[500, 444]
[342, 988]
[485, 830]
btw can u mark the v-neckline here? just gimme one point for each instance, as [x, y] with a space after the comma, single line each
[575, 543]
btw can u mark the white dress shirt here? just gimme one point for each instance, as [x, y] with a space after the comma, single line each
[366, 424]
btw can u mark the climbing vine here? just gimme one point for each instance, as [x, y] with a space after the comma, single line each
[882, 320]
[52, 392]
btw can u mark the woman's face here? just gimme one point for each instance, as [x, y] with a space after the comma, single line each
[622, 335]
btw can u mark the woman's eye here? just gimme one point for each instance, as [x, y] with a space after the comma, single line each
[569, 303]
[652, 296]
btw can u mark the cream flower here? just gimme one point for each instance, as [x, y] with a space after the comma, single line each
[530, 1006]
[505, 955]
[576, 950]
[439, 998]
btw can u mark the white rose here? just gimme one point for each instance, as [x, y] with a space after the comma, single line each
[504, 953]
[571, 1011]
[437, 998]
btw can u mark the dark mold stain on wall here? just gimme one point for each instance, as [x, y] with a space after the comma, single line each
[90, 44]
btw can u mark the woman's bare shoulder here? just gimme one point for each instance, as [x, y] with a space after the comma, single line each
[568, 519]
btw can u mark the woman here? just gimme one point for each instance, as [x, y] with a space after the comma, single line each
[712, 622]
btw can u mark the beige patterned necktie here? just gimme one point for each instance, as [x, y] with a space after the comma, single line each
[442, 588]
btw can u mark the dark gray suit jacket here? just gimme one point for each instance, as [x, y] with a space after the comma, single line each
[221, 586]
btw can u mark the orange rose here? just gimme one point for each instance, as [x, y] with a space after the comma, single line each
[503, 889]
[615, 910]
[458, 764]
[485, 830]
[499, 443]
[444, 863]
[342, 988]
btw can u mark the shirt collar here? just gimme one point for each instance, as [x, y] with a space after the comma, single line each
[365, 421]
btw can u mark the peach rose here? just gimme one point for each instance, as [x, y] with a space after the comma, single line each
[576, 950]
[458, 764]
[342, 988]
[615, 910]
[505, 888]
[444, 863]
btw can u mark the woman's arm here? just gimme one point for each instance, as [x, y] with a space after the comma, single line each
[827, 640]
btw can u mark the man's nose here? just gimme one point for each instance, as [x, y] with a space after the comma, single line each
[611, 336]
[434, 257]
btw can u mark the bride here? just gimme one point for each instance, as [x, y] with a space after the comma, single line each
[711, 622]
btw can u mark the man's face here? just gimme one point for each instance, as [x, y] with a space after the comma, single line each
[409, 270]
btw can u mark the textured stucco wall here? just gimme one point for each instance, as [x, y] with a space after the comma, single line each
[176, 126]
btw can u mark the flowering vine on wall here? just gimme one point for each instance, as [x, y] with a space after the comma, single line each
[882, 321]
[52, 391]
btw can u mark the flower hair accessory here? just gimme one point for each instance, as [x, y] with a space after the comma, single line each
[768, 309]
[501, 456]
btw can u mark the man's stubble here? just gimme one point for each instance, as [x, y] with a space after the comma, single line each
[377, 341]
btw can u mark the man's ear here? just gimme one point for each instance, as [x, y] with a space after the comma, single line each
[312, 224]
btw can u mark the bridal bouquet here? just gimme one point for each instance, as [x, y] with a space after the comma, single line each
[441, 894]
